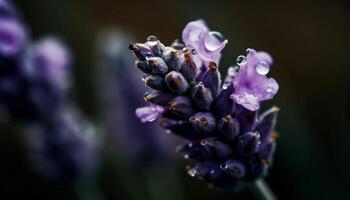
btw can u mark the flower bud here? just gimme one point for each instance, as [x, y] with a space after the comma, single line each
[267, 150]
[223, 105]
[181, 128]
[228, 128]
[188, 68]
[203, 122]
[248, 143]
[180, 107]
[266, 123]
[156, 46]
[246, 118]
[193, 150]
[202, 96]
[207, 171]
[141, 51]
[155, 82]
[158, 98]
[212, 79]
[216, 148]
[157, 65]
[233, 168]
[143, 66]
[172, 58]
[176, 82]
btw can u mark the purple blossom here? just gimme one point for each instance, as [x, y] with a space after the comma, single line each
[12, 37]
[231, 144]
[206, 45]
[251, 83]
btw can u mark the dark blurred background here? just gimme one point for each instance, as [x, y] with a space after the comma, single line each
[309, 41]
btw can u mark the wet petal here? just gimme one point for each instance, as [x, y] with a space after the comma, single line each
[251, 84]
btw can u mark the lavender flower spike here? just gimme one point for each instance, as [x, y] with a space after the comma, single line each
[232, 145]
[206, 45]
[251, 84]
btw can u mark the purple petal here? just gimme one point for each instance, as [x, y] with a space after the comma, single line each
[149, 113]
[251, 84]
[194, 33]
[204, 44]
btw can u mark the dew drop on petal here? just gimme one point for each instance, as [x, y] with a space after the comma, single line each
[192, 172]
[213, 41]
[241, 60]
[262, 68]
[186, 156]
[152, 40]
[250, 51]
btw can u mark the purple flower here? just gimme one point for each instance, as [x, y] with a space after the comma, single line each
[250, 82]
[204, 44]
[149, 113]
[230, 142]
[12, 37]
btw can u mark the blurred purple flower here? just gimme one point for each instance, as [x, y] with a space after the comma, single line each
[64, 148]
[33, 80]
[12, 37]
[251, 84]
[204, 44]
[48, 60]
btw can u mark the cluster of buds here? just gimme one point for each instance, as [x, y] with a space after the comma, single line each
[120, 92]
[230, 143]
[34, 80]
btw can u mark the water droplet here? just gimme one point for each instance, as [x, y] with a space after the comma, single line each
[190, 144]
[194, 52]
[168, 131]
[250, 51]
[223, 166]
[186, 156]
[225, 85]
[185, 49]
[212, 171]
[213, 41]
[218, 35]
[152, 40]
[241, 60]
[192, 172]
[262, 68]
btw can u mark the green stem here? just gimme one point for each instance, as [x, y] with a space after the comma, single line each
[262, 190]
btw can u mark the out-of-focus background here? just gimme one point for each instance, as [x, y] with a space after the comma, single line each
[309, 41]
